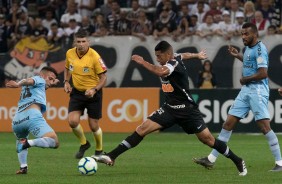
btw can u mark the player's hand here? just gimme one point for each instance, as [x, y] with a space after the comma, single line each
[54, 82]
[12, 84]
[67, 87]
[202, 54]
[280, 91]
[57, 81]
[89, 93]
[233, 51]
[242, 81]
[138, 59]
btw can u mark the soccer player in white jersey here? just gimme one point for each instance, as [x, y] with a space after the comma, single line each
[253, 96]
[29, 118]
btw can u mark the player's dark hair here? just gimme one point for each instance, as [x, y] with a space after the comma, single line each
[250, 25]
[81, 33]
[162, 46]
[49, 69]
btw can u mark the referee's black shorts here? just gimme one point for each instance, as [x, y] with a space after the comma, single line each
[79, 102]
[186, 116]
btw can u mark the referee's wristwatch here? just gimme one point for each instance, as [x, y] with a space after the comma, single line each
[65, 81]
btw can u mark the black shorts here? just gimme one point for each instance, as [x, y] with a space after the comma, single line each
[79, 102]
[186, 116]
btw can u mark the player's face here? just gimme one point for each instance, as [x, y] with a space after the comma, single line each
[248, 36]
[163, 57]
[82, 45]
[50, 79]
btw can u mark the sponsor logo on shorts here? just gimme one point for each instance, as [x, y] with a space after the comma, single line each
[21, 121]
[181, 106]
[199, 127]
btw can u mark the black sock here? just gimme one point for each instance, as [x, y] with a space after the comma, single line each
[222, 148]
[130, 142]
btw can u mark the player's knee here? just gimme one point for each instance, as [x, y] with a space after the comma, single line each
[73, 124]
[94, 126]
[141, 130]
[52, 140]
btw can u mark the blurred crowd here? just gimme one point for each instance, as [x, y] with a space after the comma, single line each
[58, 20]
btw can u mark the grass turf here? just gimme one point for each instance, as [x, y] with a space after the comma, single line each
[160, 158]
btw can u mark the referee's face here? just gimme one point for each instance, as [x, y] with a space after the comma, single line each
[82, 45]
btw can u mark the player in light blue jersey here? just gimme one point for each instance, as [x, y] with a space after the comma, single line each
[29, 118]
[253, 96]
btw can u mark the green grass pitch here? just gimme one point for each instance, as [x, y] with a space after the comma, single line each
[160, 158]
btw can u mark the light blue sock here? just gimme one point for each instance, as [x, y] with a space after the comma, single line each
[274, 145]
[224, 136]
[22, 156]
[44, 142]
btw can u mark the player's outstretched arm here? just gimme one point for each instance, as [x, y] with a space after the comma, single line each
[201, 55]
[157, 70]
[234, 52]
[23, 82]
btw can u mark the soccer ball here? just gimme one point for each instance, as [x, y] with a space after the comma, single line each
[87, 166]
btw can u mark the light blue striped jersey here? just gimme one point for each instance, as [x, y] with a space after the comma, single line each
[254, 58]
[33, 94]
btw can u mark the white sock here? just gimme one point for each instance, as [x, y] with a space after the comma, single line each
[44, 142]
[22, 156]
[274, 145]
[212, 158]
[279, 162]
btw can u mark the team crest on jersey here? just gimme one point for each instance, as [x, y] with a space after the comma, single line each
[102, 64]
[248, 57]
[260, 59]
[71, 68]
[85, 69]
